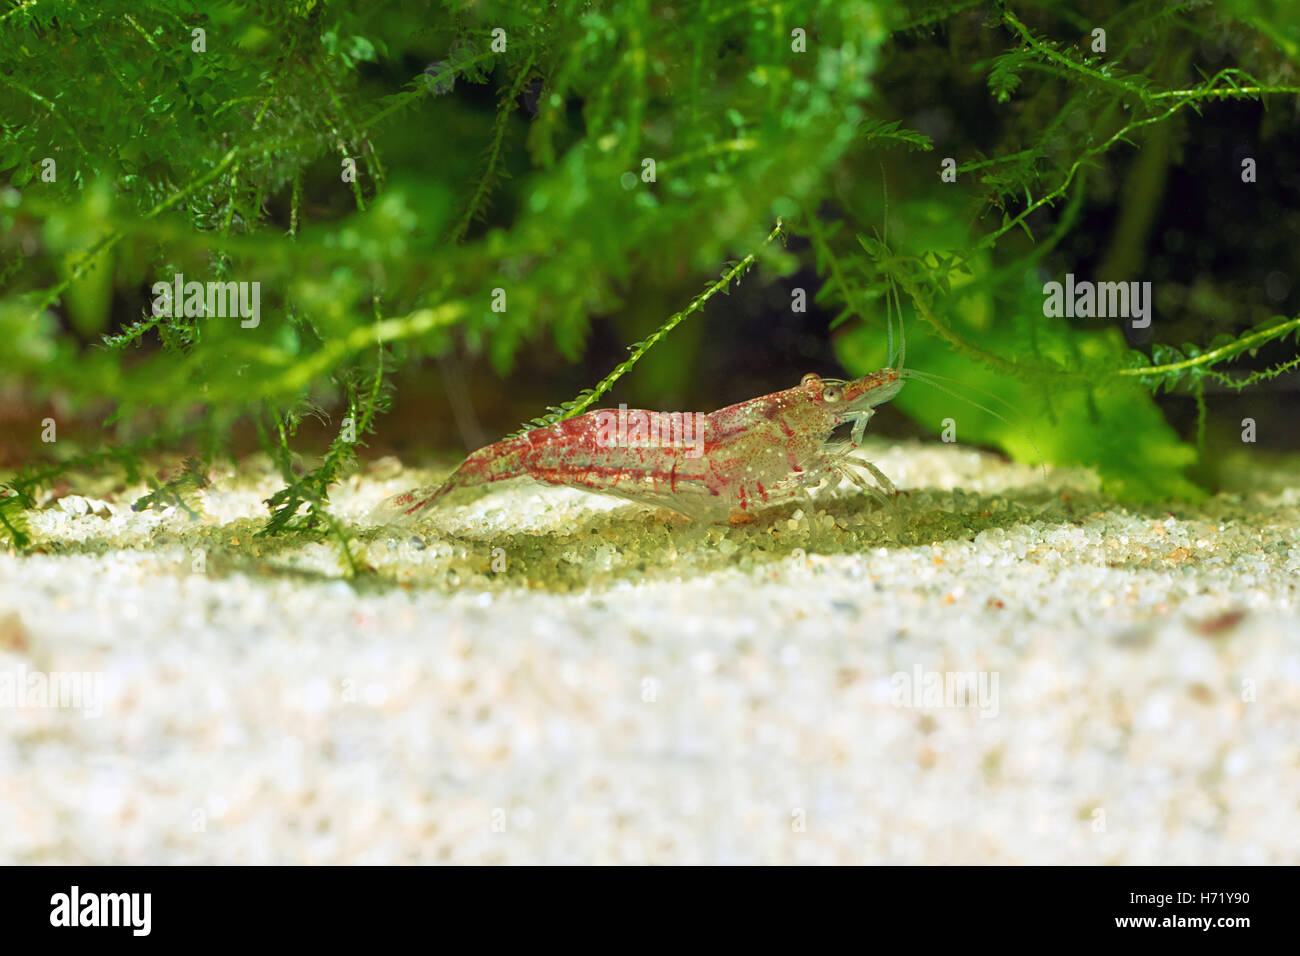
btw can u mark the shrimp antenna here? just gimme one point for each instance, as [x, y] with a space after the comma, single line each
[889, 333]
[902, 335]
[933, 381]
[893, 308]
[932, 377]
[884, 189]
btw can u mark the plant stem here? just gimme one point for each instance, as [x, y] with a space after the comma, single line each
[640, 349]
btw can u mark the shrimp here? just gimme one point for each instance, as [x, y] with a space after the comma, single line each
[736, 460]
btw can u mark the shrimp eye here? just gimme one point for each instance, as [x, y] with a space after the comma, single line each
[809, 379]
[831, 394]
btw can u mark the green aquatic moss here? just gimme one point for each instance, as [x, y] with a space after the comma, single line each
[399, 179]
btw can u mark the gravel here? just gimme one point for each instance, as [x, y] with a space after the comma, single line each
[541, 676]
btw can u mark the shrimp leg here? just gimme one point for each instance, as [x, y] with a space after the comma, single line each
[860, 427]
[845, 466]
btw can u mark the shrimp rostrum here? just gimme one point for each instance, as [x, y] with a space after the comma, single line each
[719, 466]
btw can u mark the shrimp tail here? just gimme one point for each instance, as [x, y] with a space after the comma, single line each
[409, 506]
[406, 508]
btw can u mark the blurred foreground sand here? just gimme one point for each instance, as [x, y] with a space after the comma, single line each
[544, 676]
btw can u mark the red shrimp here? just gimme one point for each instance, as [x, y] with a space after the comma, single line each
[709, 467]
